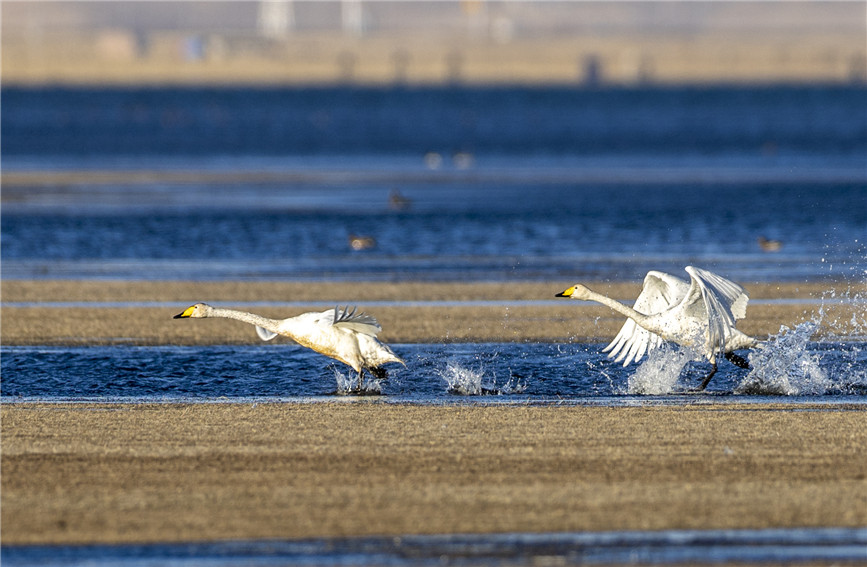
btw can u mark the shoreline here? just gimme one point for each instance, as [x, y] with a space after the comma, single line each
[477, 312]
[127, 473]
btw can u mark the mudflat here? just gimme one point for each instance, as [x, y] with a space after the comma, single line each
[470, 312]
[180, 472]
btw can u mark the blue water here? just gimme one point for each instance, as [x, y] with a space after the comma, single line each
[435, 373]
[207, 122]
[502, 183]
[778, 546]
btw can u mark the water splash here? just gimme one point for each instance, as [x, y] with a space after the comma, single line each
[787, 365]
[660, 371]
[784, 365]
[347, 384]
[467, 381]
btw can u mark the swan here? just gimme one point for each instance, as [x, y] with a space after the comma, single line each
[339, 333]
[700, 314]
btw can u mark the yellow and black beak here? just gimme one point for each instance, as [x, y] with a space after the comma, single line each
[566, 293]
[187, 313]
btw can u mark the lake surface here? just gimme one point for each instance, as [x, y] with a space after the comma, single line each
[450, 183]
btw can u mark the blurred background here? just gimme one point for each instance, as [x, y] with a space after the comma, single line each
[452, 140]
[432, 42]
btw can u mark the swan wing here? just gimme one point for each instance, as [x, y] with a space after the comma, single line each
[349, 318]
[265, 334]
[724, 302]
[660, 292]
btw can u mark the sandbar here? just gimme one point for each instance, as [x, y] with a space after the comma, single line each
[470, 312]
[107, 473]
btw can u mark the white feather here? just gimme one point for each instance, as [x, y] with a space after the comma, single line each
[265, 334]
[699, 313]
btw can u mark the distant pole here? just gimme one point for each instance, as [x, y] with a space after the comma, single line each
[276, 18]
[352, 17]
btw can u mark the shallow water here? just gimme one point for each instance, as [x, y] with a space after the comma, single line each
[434, 373]
[779, 546]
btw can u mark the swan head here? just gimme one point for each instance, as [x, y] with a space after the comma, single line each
[198, 310]
[577, 291]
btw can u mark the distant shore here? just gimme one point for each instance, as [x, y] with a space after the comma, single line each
[423, 59]
[467, 312]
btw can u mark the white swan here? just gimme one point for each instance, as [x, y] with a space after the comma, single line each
[700, 314]
[341, 334]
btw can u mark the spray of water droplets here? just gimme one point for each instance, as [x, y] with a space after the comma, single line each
[466, 381]
[347, 384]
[660, 372]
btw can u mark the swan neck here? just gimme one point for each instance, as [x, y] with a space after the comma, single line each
[617, 306]
[252, 318]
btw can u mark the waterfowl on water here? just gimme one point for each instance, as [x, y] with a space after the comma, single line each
[339, 333]
[769, 245]
[699, 314]
[357, 242]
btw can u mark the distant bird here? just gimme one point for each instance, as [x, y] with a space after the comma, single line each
[357, 242]
[397, 202]
[339, 333]
[433, 160]
[769, 245]
[700, 314]
[463, 160]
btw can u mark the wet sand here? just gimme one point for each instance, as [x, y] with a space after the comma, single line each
[180, 472]
[512, 316]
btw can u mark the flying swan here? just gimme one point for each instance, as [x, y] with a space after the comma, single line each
[339, 333]
[700, 314]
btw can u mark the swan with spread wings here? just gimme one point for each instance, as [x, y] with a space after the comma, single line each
[698, 314]
[340, 333]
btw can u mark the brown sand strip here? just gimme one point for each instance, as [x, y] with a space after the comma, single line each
[188, 291]
[138, 473]
[508, 321]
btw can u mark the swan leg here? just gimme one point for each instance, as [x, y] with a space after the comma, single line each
[707, 378]
[737, 360]
[360, 379]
